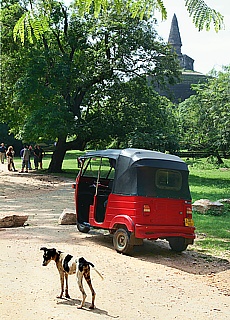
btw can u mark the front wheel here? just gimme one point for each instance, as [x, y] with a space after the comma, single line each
[178, 244]
[121, 241]
[83, 228]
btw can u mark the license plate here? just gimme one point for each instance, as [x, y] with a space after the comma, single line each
[189, 222]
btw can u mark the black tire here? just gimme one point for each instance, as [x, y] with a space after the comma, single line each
[178, 244]
[121, 241]
[82, 228]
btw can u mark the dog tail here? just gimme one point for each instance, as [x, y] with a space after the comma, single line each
[98, 272]
[83, 262]
[92, 265]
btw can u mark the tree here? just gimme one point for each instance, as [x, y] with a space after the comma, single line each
[133, 114]
[56, 78]
[204, 117]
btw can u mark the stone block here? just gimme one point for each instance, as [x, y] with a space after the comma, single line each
[205, 206]
[227, 201]
[12, 220]
[68, 216]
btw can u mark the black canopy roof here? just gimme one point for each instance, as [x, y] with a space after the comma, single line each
[131, 163]
[140, 157]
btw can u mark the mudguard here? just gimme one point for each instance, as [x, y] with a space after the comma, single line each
[122, 220]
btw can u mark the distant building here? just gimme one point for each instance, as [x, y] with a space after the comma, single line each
[175, 40]
[181, 91]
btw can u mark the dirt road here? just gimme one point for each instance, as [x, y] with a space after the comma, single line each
[153, 283]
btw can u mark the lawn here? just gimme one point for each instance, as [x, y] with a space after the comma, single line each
[208, 181]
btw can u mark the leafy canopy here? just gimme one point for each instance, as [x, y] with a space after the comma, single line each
[35, 22]
[205, 121]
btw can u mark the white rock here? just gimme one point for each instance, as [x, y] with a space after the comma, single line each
[68, 216]
[205, 205]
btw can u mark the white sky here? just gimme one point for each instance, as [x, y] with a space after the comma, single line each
[208, 48]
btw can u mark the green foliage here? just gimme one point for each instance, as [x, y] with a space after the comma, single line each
[62, 82]
[9, 139]
[35, 22]
[65, 85]
[137, 8]
[204, 117]
[203, 16]
[131, 114]
[31, 26]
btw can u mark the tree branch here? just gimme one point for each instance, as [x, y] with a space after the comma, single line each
[58, 41]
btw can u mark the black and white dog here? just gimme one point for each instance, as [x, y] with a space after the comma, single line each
[67, 265]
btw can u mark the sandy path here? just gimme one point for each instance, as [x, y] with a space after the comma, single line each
[154, 283]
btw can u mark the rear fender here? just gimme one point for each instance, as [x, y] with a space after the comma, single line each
[122, 220]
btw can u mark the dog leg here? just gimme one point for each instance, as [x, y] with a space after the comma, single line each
[66, 286]
[62, 284]
[86, 273]
[79, 280]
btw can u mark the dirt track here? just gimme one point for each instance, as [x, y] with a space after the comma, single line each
[154, 283]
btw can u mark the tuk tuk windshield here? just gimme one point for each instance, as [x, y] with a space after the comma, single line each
[92, 166]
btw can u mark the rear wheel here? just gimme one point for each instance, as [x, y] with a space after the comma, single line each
[178, 244]
[121, 241]
[83, 228]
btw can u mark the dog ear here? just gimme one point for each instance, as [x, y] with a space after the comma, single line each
[44, 249]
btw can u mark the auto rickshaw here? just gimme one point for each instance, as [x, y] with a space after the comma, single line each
[136, 194]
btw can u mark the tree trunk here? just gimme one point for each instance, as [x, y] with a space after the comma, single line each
[58, 156]
[220, 161]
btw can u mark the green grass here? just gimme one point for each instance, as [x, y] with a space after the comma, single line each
[213, 234]
[69, 167]
[207, 181]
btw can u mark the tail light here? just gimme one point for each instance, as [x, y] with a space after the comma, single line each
[146, 210]
[189, 212]
[188, 221]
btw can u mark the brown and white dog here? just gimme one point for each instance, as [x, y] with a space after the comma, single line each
[67, 265]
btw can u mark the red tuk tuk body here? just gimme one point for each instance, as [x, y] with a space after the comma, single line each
[136, 194]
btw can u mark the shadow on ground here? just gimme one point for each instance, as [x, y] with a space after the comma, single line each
[190, 261]
[76, 302]
[159, 252]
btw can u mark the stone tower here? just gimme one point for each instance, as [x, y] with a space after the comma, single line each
[175, 40]
[182, 90]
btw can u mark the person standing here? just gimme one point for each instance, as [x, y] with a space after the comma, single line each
[10, 157]
[2, 152]
[41, 154]
[25, 159]
[31, 154]
[36, 157]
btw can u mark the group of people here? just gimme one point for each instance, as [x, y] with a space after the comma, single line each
[26, 154]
